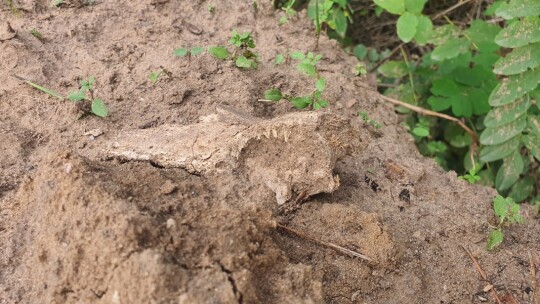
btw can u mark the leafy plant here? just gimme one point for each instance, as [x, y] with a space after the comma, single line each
[471, 177]
[507, 212]
[364, 116]
[154, 76]
[467, 73]
[332, 14]
[86, 94]
[307, 65]
[289, 12]
[243, 55]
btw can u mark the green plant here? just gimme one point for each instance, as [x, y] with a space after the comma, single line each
[307, 65]
[85, 95]
[211, 9]
[243, 55]
[507, 212]
[36, 34]
[485, 75]
[154, 76]
[334, 14]
[471, 177]
[289, 12]
[364, 116]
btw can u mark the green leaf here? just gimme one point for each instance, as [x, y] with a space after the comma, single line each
[219, 52]
[532, 142]
[509, 171]
[396, 7]
[500, 134]
[476, 76]
[445, 33]
[505, 114]
[301, 102]
[298, 55]
[44, 89]
[500, 151]
[243, 62]
[77, 96]
[340, 23]
[495, 239]
[307, 68]
[406, 27]
[424, 30]
[415, 6]
[519, 60]
[320, 84]
[518, 8]
[514, 87]
[501, 206]
[439, 104]
[181, 52]
[445, 87]
[279, 59]
[154, 76]
[534, 124]
[461, 107]
[360, 51]
[522, 189]
[450, 49]
[99, 108]
[520, 33]
[273, 94]
[420, 132]
[196, 50]
[490, 10]
[483, 35]
[393, 69]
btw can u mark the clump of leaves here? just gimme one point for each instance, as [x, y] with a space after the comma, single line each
[471, 177]
[243, 55]
[332, 14]
[86, 100]
[307, 65]
[364, 116]
[507, 212]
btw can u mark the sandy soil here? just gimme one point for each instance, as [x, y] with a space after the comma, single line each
[226, 211]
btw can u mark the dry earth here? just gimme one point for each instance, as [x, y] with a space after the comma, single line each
[180, 195]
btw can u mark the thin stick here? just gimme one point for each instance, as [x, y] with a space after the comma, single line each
[431, 113]
[448, 10]
[534, 282]
[482, 274]
[326, 244]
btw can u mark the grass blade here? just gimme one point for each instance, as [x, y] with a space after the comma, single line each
[45, 90]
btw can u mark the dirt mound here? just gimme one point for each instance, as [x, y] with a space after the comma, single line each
[194, 219]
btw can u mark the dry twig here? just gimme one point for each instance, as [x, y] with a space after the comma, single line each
[326, 244]
[482, 274]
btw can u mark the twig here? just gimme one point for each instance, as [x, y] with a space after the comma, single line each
[448, 10]
[482, 274]
[326, 244]
[532, 263]
[432, 113]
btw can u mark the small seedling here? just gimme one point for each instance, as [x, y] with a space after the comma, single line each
[507, 212]
[89, 104]
[471, 177]
[280, 59]
[36, 34]
[369, 121]
[243, 55]
[211, 8]
[289, 12]
[154, 76]
[56, 3]
[360, 69]
[308, 62]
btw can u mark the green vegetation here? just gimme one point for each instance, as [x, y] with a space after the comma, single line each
[86, 93]
[243, 54]
[507, 212]
[84, 97]
[307, 64]
[36, 34]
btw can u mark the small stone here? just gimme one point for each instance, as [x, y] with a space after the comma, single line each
[171, 223]
[93, 133]
[67, 168]
[168, 187]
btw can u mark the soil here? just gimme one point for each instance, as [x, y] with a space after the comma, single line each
[193, 191]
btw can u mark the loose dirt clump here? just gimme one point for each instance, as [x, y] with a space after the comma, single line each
[193, 191]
